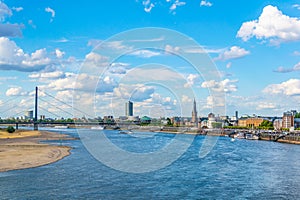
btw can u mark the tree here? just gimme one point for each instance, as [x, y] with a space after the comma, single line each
[169, 122]
[297, 115]
[266, 125]
[10, 129]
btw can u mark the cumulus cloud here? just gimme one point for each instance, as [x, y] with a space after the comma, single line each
[7, 29]
[13, 57]
[191, 79]
[287, 70]
[16, 91]
[272, 25]
[226, 85]
[135, 92]
[59, 53]
[233, 53]
[288, 88]
[205, 3]
[11, 30]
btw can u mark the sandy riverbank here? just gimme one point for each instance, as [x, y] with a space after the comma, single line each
[23, 149]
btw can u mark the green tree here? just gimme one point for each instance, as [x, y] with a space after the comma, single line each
[266, 125]
[10, 129]
[297, 115]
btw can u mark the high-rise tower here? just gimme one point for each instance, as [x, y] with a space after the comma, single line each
[194, 115]
[129, 108]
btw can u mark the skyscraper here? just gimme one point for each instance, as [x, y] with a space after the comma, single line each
[194, 115]
[129, 108]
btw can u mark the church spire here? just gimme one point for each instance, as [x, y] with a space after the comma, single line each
[194, 114]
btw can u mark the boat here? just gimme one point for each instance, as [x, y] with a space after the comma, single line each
[97, 127]
[250, 136]
[125, 132]
[61, 127]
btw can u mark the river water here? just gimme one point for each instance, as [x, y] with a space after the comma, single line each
[239, 169]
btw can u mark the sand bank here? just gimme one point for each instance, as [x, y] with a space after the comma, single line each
[23, 149]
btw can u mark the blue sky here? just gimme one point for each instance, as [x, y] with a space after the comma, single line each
[253, 44]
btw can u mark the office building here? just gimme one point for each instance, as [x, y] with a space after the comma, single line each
[129, 108]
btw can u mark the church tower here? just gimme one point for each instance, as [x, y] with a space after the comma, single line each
[194, 115]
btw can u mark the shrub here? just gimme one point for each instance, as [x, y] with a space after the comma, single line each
[10, 129]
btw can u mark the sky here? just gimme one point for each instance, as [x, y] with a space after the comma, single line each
[89, 58]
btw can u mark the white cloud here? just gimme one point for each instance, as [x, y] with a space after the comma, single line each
[287, 70]
[297, 6]
[171, 49]
[233, 53]
[7, 29]
[47, 75]
[288, 88]
[214, 101]
[17, 9]
[176, 4]
[59, 53]
[273, 25]
[16, 91]
[4, 11]
[144, 53]
[205, 3]
[148, 6]
[50, 10]
[226, 85]
[13, 57]
[191, 79]
[95, 60]
[265, 105]
[135, 92]
[186, 99]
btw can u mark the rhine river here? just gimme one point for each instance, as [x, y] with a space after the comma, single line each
[239, 169]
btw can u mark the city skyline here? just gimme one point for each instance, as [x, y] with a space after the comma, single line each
[257, 53]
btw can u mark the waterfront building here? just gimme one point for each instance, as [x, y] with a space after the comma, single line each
[277, 124]
[176, 121]
[108, 119]
[211, 120]
[194, 120]
[297, 122]
[145, 120]
[29, 114]
[288, 120]
[129, 108]
[250, 122]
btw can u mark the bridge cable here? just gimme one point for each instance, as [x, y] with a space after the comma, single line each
[66, 104]
[57, 107]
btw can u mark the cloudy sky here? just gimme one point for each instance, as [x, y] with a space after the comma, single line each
[96, 55]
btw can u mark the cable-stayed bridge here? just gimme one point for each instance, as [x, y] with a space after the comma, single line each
[39, 105]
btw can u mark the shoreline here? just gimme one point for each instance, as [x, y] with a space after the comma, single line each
[24, 150]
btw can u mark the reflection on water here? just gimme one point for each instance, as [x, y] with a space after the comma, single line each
[232, 170]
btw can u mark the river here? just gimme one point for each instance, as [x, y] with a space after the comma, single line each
[239, 169]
